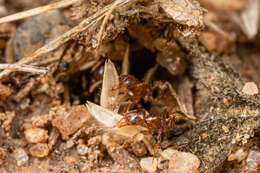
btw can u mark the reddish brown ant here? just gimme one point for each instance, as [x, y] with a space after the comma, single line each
[132, 89]
[151, 122]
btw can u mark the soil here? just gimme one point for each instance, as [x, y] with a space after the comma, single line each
[131, 86]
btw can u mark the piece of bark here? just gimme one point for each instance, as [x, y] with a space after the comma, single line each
[231, 117]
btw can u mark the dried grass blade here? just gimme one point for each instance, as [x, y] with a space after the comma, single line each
[24, 68]
[126, 63]
[36, 11]
[105, 20]
[86, 23]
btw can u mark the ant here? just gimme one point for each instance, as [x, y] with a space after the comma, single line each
[151, 122]
[134, 90]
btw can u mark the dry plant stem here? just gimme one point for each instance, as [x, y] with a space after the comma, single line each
[215, 27]
[54, 44]
[36, 11]
[182, 106]
[102, 27]
[149, 74]
[24, 68]
[126, 63]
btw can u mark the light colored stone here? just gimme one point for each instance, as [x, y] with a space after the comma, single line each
[181, 161]
[82, 149]
[20, 156]
[36, 135]
[149, 164]
[250, 88]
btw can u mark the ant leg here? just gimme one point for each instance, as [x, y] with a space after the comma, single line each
[131, 140]
[157, 145]
[158, 142]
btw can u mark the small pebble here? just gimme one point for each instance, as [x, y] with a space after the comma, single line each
[181, 161]
[20, 156]
[82, 149]
[149, 164]
[250, 88]
[39, 150]
[36, 135]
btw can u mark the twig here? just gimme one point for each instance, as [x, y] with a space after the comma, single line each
[126, 63]
[35, 11]
[25, 68]
[102, 28]
[52, 45]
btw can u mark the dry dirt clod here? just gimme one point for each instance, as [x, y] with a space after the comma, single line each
[40, 120]
[138, 148]
[6, 119]
[172, 59]
[36, 135]
[69, 121]
[120, 155]
[5, 91]
[39, 150]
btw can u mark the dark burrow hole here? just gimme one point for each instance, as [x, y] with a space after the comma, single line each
[141, 60]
